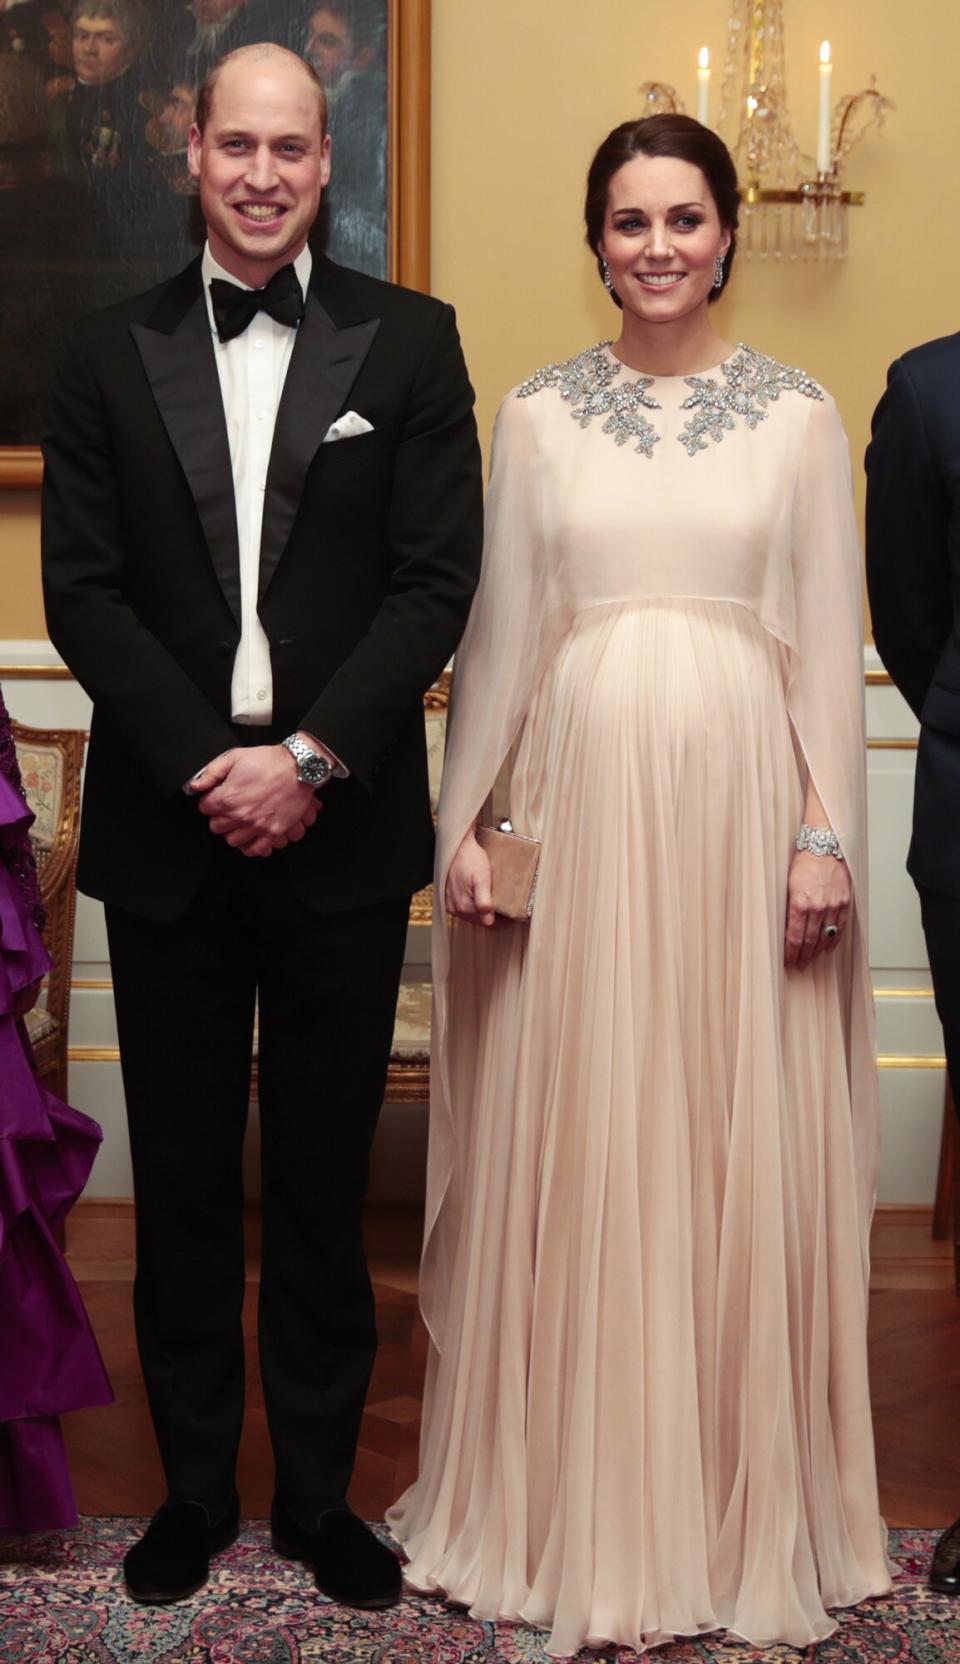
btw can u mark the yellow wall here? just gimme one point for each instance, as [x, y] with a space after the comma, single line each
[523, 90]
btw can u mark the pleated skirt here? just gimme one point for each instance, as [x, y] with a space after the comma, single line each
[650, 1415]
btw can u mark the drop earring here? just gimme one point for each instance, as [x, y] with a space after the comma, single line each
[718, 273]
[606, 273]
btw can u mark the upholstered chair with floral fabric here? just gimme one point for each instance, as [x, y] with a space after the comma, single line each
[51, 760]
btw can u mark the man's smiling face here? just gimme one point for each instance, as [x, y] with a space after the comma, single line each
[261, 162]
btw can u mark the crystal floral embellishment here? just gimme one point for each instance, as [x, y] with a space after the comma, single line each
[589, 385]
[752, 382]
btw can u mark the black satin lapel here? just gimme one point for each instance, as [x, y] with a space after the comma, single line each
[182, 372]
[324, 365]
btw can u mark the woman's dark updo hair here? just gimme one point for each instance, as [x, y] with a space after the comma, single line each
[665, 135]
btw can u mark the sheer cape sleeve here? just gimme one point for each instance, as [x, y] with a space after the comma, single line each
[515, 625]
[825, 703]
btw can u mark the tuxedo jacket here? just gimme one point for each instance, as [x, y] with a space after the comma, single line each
[370, 553]
[913, 577]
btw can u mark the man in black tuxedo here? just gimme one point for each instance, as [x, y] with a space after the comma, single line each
[256, 611]
[913, 576]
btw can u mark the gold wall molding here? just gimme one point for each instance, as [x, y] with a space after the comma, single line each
[35, 672]
[106, 982]
[409, 137]
[111, 1054]
[896, 1060]
[21, 468]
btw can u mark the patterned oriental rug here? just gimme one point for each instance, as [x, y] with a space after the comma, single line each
[61, 1598]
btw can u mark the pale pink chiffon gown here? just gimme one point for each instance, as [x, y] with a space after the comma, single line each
[653, 1150]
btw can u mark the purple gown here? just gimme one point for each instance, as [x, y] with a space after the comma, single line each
[49, 1361]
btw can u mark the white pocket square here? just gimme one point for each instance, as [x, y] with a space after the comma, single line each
[347, 426]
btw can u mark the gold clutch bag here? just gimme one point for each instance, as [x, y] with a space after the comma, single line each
[514, 860]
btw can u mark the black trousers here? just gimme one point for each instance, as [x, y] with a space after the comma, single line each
[941, 927]
[326, 985]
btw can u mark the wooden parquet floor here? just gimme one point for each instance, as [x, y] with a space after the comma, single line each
[914, 1345]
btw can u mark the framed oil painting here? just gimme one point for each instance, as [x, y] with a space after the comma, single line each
[96, 101]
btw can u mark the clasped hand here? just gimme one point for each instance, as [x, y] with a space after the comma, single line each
[253, 799]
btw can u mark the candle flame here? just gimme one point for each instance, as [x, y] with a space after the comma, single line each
[824, 51]
[703, 58]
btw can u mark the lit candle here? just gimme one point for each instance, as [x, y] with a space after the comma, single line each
[823, 127]
[703, 86]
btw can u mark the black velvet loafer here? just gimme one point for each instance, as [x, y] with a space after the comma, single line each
[349, 1563]
[945, 1569]
[172, 1559]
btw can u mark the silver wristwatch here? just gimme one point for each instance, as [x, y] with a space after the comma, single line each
[312, 769]
[820, 840]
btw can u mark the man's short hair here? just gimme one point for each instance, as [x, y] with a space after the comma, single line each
[264, 49]
[130, 16]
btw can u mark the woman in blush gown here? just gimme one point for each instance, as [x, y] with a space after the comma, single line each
[654, 1120]
[49, 1360]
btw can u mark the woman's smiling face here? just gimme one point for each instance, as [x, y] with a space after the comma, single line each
[661, 238]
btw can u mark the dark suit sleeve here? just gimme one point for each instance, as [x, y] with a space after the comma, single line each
[908, 577]
[435, 535]
[134, 682]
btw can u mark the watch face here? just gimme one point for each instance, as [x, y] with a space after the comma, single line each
[314, 769]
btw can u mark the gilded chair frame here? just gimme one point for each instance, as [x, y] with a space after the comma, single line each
[56, 867]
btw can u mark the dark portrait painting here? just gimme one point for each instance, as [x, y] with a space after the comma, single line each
[96, 102]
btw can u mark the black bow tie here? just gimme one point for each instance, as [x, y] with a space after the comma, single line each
[235, 308]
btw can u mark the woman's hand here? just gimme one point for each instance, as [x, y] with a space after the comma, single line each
[469, 894]
[818, 895]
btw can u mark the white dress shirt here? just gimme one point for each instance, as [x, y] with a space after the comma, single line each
[252, 369]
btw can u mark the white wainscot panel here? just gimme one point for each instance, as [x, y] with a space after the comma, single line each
[912, 1105]
[93, 1021]
[97, 1089]
[42, 701]
[889, 717]
[908, 1026]
[888, 714]
[91, 955]
[896, 935]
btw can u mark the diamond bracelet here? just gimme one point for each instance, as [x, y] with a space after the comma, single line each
[820, 840]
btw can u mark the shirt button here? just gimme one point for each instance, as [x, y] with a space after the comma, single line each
[261, 693]
[258, 345]
[261, 415]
